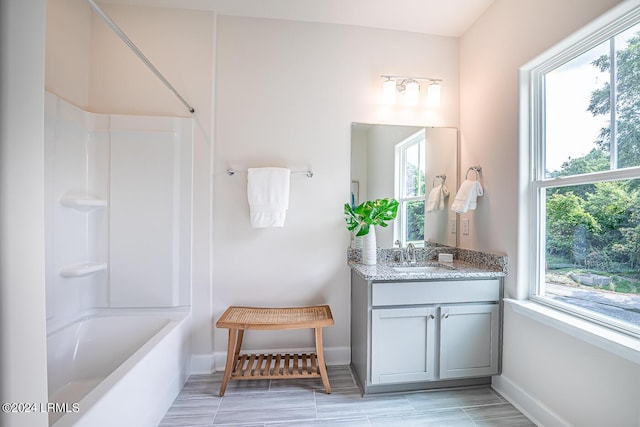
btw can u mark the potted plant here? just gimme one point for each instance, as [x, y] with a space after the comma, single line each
[363, 218]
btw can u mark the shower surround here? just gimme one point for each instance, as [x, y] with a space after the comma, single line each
[118, 237]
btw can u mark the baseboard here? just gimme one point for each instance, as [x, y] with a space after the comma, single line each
[202, 363]
[337, 355]
[531, 407]
[332, 356]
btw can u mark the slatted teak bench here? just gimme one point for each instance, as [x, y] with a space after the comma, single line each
[274, 366]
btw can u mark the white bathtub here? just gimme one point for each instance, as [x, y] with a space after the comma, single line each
[117, 367]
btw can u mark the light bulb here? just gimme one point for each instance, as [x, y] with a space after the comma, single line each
[412, 93]
[433, 94]
[389, 91]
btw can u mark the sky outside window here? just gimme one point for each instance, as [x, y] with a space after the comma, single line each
[571, 130]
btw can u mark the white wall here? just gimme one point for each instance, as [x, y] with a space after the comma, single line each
[287, 93]
[562, 376]
[23, 360]
[561, 380]
[67, 58]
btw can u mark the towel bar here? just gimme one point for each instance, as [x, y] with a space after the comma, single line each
[442, 179]
[476, 169]
[234, 171]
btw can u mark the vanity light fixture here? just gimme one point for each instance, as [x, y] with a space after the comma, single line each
[433, 94]
[389, 91]
[412, 92]
[410, 87]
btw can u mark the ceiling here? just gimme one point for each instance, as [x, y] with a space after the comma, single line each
[439, 17]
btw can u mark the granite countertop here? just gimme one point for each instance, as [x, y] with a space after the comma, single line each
[437, 270]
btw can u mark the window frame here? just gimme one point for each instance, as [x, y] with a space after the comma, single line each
[532, 179]
[400, 231]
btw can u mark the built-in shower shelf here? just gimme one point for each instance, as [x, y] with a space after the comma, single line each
[83, 203]
[79, 270]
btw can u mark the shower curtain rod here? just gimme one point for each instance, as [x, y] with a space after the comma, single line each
[138, 52]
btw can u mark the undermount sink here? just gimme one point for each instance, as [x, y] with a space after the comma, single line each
[418, 269]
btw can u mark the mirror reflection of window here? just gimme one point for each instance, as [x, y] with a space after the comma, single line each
[373, 166]
[410, 188]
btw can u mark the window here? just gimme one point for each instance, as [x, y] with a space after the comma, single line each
[583, 206]
[410, 187]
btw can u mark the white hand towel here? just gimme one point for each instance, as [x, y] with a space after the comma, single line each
[433, 201]
[444, 195]
[437, 198]
[268, 196]
[466, 197]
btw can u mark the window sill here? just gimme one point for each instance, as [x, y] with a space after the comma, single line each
[611, 341]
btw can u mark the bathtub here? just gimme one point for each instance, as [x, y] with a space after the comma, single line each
[116, 367]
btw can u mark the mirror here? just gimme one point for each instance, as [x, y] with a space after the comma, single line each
[376, 164]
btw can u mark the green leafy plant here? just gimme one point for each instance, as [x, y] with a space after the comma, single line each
[371, 212]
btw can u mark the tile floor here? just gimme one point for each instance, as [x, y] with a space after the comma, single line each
[304, 403]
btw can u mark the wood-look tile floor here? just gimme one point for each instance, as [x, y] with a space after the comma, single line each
[272, 403]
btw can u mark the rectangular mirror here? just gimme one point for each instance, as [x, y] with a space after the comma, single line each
[407, 163]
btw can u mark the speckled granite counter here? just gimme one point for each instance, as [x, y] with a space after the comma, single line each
[454, 270]
[466, 264]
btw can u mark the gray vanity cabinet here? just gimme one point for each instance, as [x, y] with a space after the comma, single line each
[409, 335]
[402, 344]
[469, 340]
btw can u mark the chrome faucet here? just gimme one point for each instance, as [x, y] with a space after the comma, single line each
[398, 254]
[406, 255]
[411, 253]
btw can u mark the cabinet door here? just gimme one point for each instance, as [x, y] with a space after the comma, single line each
[402, 345]
[469, 340]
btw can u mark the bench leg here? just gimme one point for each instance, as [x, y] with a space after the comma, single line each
[238, 344]
[321, 364]
[233, 348]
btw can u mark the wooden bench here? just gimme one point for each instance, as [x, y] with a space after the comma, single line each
[274, 366]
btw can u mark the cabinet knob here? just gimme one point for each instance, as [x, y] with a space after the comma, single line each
[431, 316]
[446, 315]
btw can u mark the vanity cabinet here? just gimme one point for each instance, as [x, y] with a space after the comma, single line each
[469, 340]
[409, 335]
[403, 341]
